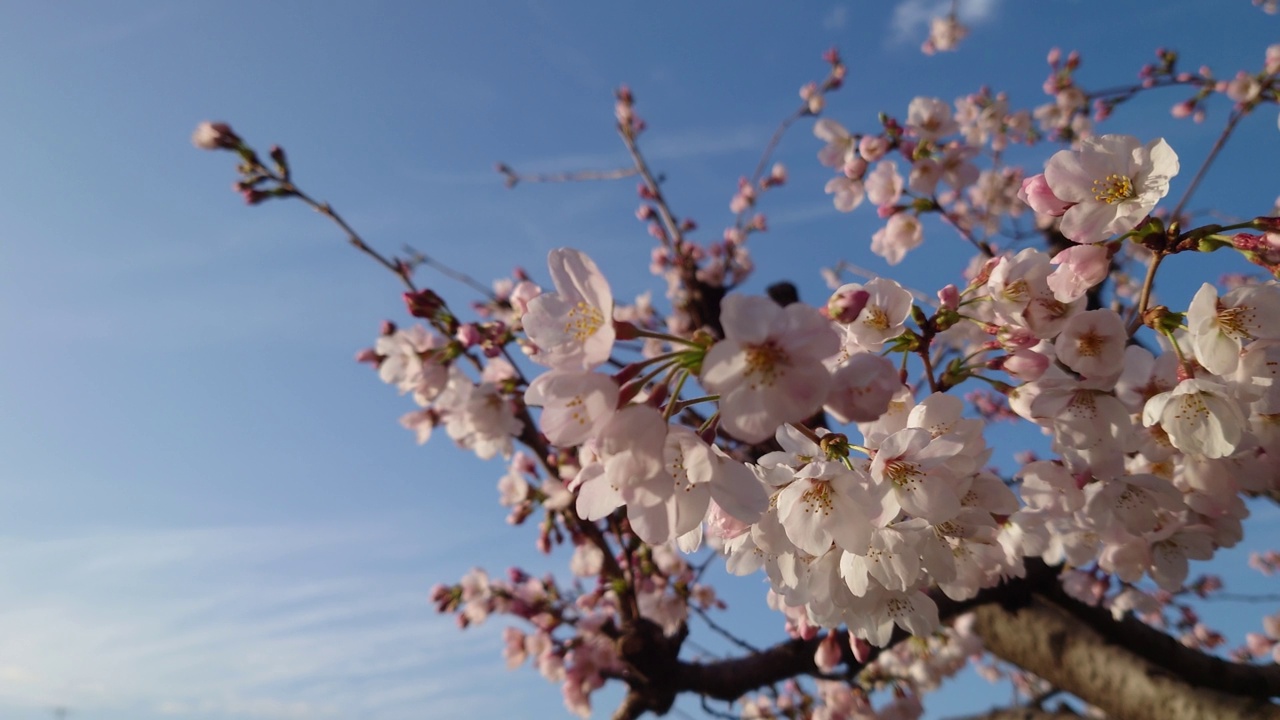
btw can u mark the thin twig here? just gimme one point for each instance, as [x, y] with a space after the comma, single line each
[417, 257]
[1236, 117]
[722, 631]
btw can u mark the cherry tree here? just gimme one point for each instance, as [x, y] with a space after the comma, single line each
[840, 451]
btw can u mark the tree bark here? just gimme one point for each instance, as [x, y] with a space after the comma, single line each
[1047, 639]
[1127, 668]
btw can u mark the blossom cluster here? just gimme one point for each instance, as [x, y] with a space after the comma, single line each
[791, 440]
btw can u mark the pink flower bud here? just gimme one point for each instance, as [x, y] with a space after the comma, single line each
[215, 136]
[847, 303]
[1026, 365]
[855, 168]
[827, 658]
[1036, 193]
[872, 147]
[1271, 626]
[468, 334]
[423, 303]
[861, 648]
[1258, 645]
[949, 296]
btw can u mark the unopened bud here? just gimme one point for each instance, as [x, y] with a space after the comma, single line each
[423, 303]
[215, 136]
[847, 303]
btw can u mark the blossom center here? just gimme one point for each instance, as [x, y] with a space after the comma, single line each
[765, 362]
[877, 318]
[1231, 321]
[1016, 291]
[1089, 344]
[817, 499]
[902, 473]
[1112, 189]
[584, 320]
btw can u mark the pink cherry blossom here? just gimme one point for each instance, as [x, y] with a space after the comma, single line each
[1200, 417]
[575, 405]
[1080, 268]
[572, 327]
[930, 118]
[1113, 181]
[768, 370]
[1219, 326]
[1037, 194]
[902, 234]
[1092, 343]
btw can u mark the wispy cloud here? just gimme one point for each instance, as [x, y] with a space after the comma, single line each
[670, 144]
[114, 28]
[911, 17]
[246, 623]
[836, 18]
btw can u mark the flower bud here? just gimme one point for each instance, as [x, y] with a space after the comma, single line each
[423, 303]
[215, 136]
[847, 302]
[1037, 194]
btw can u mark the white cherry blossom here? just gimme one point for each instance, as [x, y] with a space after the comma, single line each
[1114, 181]
[572, 327]
[1200, 416]
[768, 370]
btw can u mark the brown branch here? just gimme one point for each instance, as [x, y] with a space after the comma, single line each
[1032, 623]
[1154, 646]
[1125, 668]
[733, 678]
[1023, 713]
[1236, 117]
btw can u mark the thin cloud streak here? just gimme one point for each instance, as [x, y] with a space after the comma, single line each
[271, 623]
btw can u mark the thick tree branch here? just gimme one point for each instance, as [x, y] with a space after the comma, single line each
[1023, 713]
[1154, 646]
[1107, 671]
[731, 679]
[1127, 668]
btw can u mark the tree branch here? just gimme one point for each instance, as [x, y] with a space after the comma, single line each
[1023, 713]
[1060, 643]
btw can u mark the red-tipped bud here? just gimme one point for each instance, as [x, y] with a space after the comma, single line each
[625, 330]
[277, 156]
[423, 303]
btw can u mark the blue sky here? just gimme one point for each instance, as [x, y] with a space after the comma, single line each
[208, 509]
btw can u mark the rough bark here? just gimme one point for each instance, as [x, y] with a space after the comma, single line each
[1047, 639]
[1127, 668]
[1024, 713]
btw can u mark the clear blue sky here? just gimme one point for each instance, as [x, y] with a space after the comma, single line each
[208, 510]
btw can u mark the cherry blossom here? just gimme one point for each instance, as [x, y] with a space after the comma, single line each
[768, 370]
[1218, 326]
[1200, 417]
[1113, 181]
[572, 327]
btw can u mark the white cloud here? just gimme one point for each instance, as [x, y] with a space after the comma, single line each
[837, 18]
[911, 17]
[268, 623]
